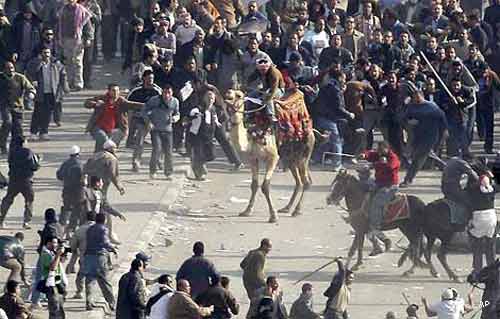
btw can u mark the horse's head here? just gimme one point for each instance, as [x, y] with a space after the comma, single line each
[339, 187]
[487, 274]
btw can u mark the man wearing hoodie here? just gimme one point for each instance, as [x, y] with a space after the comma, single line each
[26, 30]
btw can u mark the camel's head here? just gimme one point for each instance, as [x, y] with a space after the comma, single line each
[339, 187]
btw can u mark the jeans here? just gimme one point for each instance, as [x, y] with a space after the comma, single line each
[99, 273]
[371, 119]
[381, 197]
[73, 209]
[101, 137]
[11, 122]
[471, 120]
[37, 276]
[16, 186]
[457, 142]
[335, 140]
[418, 158]
[141, 130]
[41, 115]
[162, 144]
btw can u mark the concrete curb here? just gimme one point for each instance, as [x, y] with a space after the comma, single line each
[169, 197]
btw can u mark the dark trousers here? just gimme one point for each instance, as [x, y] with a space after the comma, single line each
[12, 122]
[227, 146]
[486, 117]
[140, 134]
[197, 157]
[162, 144]
[41, 115]
[179, 132]
[16, 186]
[482, 246]
[109, 32]
[72, 209]
[57, 115]
[88, 61]
[418, 158]
[55, 304]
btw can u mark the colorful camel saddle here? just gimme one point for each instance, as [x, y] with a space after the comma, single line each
[397, 209]
[294, 121]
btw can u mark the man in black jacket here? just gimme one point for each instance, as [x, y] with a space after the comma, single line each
[222, 299]
[198, 270]
[71, 174]
[22, 165]
[329, 112]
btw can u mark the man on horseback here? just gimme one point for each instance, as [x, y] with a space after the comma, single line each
[455, 171]
[386, 164]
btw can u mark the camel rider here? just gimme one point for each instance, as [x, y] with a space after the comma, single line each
[273, 85]
[386, 165]
[455, 170]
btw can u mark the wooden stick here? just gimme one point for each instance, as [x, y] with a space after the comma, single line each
[438, 77]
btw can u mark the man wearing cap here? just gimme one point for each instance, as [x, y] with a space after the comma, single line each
[273, 85]
[451, 305]
[15, 87]
[23, 164]
[73, 178]
[49, 75]
[110, 117]
[75, 32]
[138, 126]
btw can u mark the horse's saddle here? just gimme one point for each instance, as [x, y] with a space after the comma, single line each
[396, 209]
[458, 213]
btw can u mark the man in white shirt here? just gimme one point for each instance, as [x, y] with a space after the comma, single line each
[451, 305]
[160, 296]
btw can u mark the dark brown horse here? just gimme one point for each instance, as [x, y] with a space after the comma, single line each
[349, 187]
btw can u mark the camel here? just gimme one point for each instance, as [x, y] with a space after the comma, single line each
[237, 132]
[295, 146]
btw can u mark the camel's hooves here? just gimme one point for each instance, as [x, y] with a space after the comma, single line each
[357, 266]
[284, 210]
[273, 219]
[296, 213]
[245, 213]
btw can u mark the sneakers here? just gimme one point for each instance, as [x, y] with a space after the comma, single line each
[26, 226]
[405, 184]
[32, 138]
[152, 175]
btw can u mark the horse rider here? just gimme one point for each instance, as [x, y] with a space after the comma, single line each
[452, 189]
[386, 164]
[273, 85]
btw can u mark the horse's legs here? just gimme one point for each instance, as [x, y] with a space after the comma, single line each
[271, 162]
[428, 256]
[305, 182]
[298, 186]
[254, 166]
[443, 251]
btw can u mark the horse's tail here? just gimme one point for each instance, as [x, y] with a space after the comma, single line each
[416, 250]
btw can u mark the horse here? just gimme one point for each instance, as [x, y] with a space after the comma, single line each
[348, 186]
[295, 153]
[490, 277]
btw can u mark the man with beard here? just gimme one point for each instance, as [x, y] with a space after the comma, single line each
[336, 52]
[318, 37]
[353, 40]
[194, 48]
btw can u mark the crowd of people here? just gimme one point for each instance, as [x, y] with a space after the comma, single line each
[423, 73]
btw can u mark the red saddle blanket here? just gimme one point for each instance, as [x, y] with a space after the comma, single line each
[294, 121]
[397, 209]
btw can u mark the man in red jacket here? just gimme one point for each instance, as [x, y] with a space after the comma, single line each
[386, 165]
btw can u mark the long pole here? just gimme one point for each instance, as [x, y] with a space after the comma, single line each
[438, 77]
[315, 271]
